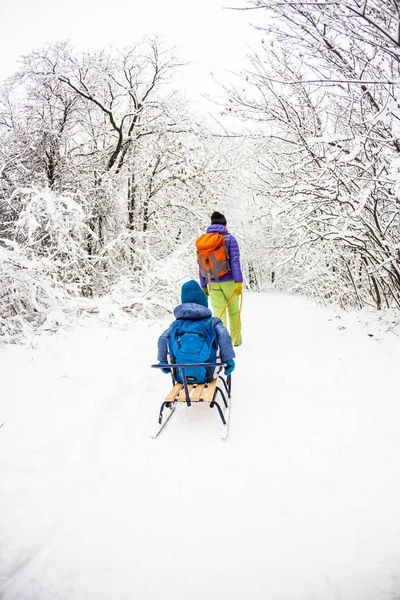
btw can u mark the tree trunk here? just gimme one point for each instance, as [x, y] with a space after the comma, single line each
[131, 202]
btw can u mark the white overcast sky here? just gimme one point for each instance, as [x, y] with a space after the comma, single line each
[211, 37]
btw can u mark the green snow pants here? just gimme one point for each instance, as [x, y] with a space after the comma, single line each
[219, 295]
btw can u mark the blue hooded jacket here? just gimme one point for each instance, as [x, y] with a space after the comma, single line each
[235, 274]
[194, 307]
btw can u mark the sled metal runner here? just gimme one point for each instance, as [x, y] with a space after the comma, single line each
[189, 393]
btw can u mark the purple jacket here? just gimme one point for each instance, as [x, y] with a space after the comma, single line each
[232, 247]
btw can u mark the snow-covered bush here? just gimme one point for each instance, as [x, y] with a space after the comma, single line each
[154, 290]
[53, 227]
[26, 294]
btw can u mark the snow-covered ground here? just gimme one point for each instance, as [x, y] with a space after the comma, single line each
[300, 503]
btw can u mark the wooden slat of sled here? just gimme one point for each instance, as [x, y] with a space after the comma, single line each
[182, 395]
[209, 393]
[195, 397]
[173, 393]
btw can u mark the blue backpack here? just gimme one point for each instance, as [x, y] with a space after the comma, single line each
[193, 342]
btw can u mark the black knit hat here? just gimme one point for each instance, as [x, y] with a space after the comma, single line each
[218, 219]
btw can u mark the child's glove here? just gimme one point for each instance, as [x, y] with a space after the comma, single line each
[205, 290]
[166, 371]
[238, 288]
[230, 365]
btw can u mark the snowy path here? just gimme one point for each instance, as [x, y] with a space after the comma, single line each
[300, 503]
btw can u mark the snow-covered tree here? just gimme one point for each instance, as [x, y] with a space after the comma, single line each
[329, 122]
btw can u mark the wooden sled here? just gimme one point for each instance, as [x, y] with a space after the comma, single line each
[197, 392]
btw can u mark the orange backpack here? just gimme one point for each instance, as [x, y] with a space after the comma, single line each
[212, 256]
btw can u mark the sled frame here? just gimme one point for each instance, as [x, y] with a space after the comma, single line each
[197, 392]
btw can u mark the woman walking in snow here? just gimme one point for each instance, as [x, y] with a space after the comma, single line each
[230, 283]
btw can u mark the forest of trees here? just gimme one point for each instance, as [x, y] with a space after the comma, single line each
[107, 176]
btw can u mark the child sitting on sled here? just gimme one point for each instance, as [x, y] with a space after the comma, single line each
[195, 337]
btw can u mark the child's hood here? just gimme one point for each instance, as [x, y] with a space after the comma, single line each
[192, 311]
